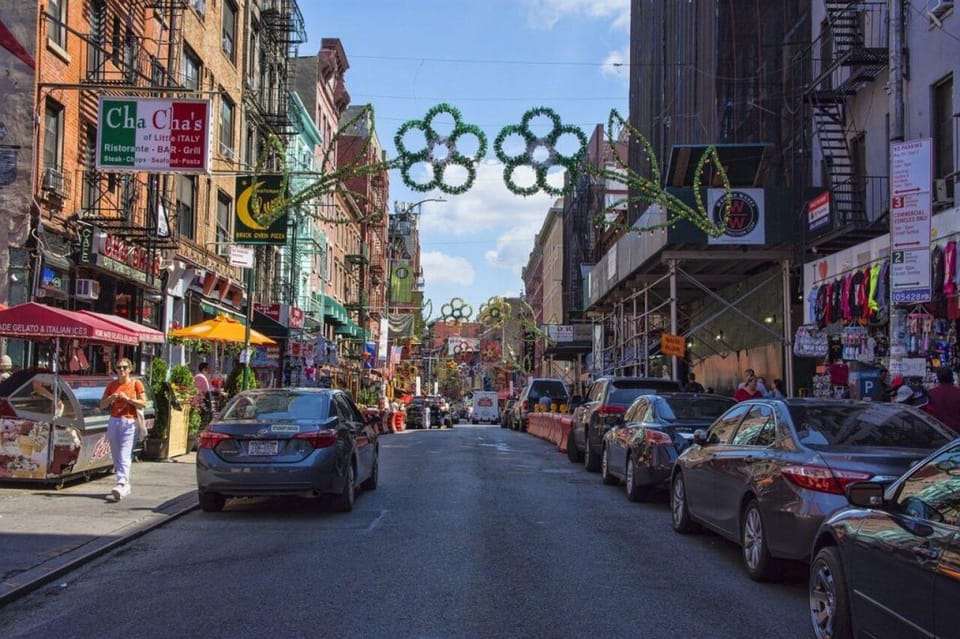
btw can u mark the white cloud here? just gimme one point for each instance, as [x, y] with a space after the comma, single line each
[440, 269]
[617, 65]
[544, 14]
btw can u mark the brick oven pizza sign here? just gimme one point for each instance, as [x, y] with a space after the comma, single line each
[153, 134]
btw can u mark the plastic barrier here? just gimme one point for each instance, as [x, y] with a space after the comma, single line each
[397, 424]
[565, 423]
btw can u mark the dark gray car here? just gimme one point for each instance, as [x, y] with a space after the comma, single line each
[769, 471]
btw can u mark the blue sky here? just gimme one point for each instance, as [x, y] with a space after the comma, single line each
[493, 60]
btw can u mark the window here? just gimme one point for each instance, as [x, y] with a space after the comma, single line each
[186, 207]
[224, 214]
[943, 165]
[53, 135]
[876, 424]
[230, 29]
[226, 126]
[722, 430]
[931, 492]
[57, 32]
[191, 69]
[637, 408]
[758, 429]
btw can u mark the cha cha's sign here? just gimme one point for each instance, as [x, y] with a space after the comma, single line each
[153, 134]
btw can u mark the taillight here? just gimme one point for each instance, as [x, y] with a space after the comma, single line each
[611, 410]
[210, 438]
[823, 479]
[653, 436]
[524, 406]
[319, 439]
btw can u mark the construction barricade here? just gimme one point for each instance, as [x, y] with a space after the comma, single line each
[552, 427]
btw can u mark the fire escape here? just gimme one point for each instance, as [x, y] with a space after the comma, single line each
[849, 54]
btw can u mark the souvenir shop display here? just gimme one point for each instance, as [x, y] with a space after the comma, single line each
[810, 341]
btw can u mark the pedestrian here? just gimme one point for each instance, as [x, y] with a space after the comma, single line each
[778, 391]
[201, 381]
[944, 400]
[124, 396]
[749, 390]
[6, 367]
[693, 386]
[747, 374]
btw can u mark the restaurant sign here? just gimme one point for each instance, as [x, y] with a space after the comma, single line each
[119, 256]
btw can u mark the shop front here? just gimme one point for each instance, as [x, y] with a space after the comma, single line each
[286, 364]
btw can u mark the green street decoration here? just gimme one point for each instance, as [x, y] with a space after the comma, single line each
[494, 312]
[534, 143]
[456, 310]
[406, 158]
[490, 352]
[650, 190]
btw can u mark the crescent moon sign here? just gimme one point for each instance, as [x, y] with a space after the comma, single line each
[243, 208]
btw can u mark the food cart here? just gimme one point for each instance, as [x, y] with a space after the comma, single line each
[51, 425]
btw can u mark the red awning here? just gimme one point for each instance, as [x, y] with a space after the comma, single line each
[145, 333]
[39, 321]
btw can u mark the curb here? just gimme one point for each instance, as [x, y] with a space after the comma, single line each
[31, 580]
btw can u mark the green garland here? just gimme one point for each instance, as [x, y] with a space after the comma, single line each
[456, 310]
[407, 159]
[513, 162]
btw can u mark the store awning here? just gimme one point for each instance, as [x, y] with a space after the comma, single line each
[145, 333]
[334, 311]
[219, 309]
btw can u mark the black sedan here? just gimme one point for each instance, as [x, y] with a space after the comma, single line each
[769, 471]
[889, 566]
[655, 430]
[308, 442]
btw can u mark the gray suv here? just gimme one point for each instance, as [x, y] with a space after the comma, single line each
[537, 387]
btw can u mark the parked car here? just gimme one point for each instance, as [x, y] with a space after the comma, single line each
[889, 565]
[533, 391]
[40, 442]
[506, 416]
[769, 471]
[308, 442]
[641, 450]
[607, 401]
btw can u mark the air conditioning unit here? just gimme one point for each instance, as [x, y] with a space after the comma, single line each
[52, 182]
[937, 8]
[942, 193]
[87, 289]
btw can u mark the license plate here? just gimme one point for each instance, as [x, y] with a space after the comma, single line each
[262, 448]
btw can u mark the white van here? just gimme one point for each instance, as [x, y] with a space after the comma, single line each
[485, 409]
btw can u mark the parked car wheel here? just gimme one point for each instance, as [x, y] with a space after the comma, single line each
[590, 460]
[605, 475]
[370, 483]
[211, 502]
[679, 514]
[829, 607]
[635, 492]
[344, 501]
[573, 453]
[753, 542]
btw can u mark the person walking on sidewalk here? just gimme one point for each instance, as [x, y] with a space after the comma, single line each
[123, 396]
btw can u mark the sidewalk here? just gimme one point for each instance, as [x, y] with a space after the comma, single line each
[46, 532]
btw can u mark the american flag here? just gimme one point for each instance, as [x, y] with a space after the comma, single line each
[395, 352]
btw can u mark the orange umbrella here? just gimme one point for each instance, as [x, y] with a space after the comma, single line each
[220, 329]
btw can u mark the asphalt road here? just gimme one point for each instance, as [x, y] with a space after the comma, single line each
[474, 532]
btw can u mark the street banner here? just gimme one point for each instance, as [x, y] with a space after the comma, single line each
[153, 134]
[818, 211]
[266, 224]
[401, 282]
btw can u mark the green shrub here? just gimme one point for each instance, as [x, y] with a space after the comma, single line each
[234, 383]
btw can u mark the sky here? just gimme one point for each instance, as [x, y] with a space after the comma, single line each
[492, 60]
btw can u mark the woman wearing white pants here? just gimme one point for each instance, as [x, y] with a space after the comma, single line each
[124, 396]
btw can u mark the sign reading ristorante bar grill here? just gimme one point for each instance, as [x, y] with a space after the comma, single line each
[153, 134]
[265, 223]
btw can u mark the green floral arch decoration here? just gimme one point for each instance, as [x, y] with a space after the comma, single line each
[548, 142]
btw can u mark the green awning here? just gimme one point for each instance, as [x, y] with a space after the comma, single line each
[334, 311]
[217, 309]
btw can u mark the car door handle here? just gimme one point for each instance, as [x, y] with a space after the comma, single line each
[926, 553]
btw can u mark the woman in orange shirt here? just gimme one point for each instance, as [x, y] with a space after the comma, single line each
[124, 396]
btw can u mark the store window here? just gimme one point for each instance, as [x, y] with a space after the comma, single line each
[186, 205]
[227, 112]
[224, 206]
[192, 67]
[57, 13]
[230, 30]
[53, 136]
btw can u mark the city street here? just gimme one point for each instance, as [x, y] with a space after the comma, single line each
[473, 532]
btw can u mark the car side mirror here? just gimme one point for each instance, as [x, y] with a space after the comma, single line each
[700, 437]
[865, 494]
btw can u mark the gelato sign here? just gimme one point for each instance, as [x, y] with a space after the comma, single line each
[153, 134]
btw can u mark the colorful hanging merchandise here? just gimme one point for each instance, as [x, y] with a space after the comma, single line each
[809, 341]
[856, 345]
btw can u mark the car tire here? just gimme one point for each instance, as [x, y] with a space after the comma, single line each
[370, 483]
[573, 453]
[211, 502]
[754, 547]
[679, 512]
[828, 596]
[635, 492]
[605, 475]
[590, 460]
[345, 500]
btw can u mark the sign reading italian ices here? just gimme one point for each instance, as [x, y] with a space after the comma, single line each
[268, 223]
[153, 134]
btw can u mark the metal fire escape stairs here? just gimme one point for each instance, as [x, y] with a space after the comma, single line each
[853, 51]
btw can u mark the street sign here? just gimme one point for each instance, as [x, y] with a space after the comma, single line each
[910, 215]
[672, 344]
[241, 256]
[910, 166]
[153, 134]
[910, 276]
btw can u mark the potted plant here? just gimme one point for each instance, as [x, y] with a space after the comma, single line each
[156, 445]
[184, 391]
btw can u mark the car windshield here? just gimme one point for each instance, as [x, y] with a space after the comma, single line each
[278, 405]
[823, 425]
[556, 390]
[674, 409]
